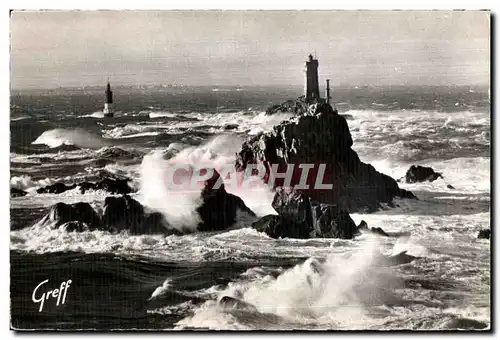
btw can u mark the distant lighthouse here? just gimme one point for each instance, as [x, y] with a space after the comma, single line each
[108, 105]
[311, 80]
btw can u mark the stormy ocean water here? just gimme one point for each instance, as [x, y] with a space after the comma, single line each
[122, 281]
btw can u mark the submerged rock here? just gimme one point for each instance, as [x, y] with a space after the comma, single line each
[417, 173]
[363, 226]
[230, 126]
[219, 208]
[17, 192]
[56, 188]
[111, 185]
[319, 136]
[484, 234]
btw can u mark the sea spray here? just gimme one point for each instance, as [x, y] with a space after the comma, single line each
[332, 292]
[78, 137]
[175, 196]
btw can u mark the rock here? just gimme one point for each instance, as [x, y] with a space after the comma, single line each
[269, 224]
[319, 136]
[417, 173]
[230, 126]
[449, 186]
[484, 234]
[17, 192]
[363, 226]
[298, 218]
[125, 213]
[56, 188]
[61, 213]
[294, 219]
[332, 222]
[465, 324]
[232, 303]
[113, 186]
[379, 231]
[219, 208]
[297, 106]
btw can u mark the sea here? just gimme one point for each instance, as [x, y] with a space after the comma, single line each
[156, 282]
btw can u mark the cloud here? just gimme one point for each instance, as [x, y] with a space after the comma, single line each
[247, 47]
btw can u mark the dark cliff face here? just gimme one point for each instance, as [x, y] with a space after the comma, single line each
[321, 136]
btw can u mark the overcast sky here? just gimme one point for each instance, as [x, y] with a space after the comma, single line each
[50, 49]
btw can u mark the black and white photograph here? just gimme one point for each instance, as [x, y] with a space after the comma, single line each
[250, 170]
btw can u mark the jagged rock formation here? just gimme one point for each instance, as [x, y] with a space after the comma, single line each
[77, 216]
[218, 211]
[297, 106]
[417, 173]
[298, 218]
[484, 234]
[125, 213]
[219, 208]
[319, 135]
[120, 213]
[114, 186]
[14, 192]
[363, 226]
[111, 185]
[55, 188]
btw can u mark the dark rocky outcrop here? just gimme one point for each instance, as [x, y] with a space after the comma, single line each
[114, 186]
[125, 213]
[484, 234]
[219, 208]
[299, 218]
[218, 211]
[297, 106]
[319, 135]
[111, 185]
[417, 173]
[363, 226]
[17, 192]
[56, 188]
[77, 213]
[120, 213]
[230, 126]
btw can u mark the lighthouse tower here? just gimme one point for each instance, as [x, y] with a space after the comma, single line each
[311, 80]
[108, 104]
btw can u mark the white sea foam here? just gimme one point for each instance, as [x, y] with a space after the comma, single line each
[440, 228]
[25, 182]
[159, 114]
[78, 137]
[97, 114]
[161, 289]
